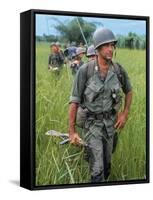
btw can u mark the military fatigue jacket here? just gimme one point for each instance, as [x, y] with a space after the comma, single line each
[56, 59]
[97, 93]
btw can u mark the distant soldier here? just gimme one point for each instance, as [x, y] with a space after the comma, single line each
[59, 48]
[56, 59]
[70, 51]
[77, 59]
[91, 53]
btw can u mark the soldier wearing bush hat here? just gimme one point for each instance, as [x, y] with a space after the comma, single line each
[96, 95]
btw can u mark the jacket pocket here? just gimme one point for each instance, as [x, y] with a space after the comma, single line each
[92, 91]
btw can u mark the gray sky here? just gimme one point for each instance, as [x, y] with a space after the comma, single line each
[45, 24]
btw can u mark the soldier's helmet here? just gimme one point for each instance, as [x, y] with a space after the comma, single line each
[58, 44]
[91, 51]
[73, 55]
[52, 44]
[102, 36]
[80, 50]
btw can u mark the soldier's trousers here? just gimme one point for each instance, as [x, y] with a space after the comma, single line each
[98, 152]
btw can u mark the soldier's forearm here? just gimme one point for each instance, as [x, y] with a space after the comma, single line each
[128, 100]
[72, 116]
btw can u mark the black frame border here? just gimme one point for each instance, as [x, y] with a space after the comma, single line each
[27, 98]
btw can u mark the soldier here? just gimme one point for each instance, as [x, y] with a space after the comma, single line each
[71, 50]
[56, 59]
[91, 53]
[96, 90]
[69, 53]
[59, 49]
[77, 59]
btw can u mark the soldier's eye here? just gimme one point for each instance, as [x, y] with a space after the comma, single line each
[106, 45]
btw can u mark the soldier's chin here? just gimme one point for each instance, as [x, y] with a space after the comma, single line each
[108, 58]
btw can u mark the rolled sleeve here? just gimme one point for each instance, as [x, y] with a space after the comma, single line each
[74, 99]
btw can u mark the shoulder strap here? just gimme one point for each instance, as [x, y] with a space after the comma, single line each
[89, 71]
[118, 71]
[90, 68]
[117, 68]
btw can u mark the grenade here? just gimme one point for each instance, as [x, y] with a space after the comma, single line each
[114, 95]
[116, 101]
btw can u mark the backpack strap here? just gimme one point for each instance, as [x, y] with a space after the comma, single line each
[90, 69]
[118, 71]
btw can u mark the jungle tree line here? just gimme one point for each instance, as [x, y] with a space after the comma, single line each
[71, 32]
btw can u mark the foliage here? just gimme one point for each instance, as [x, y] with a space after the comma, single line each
[57, 164]
[131, 41]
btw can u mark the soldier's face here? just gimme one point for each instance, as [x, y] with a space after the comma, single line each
[81, 55]
[54, 49]
[91, 58]
[106, 51]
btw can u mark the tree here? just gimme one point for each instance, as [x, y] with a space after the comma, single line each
[50, 38]
[39, 38]
[131, 41]
[71, 31]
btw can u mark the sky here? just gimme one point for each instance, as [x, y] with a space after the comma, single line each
[45, 24]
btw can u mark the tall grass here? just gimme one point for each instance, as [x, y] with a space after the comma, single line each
[57, 164]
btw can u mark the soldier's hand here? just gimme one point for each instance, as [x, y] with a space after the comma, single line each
[74, 138]
[121, 120]
[76, 62]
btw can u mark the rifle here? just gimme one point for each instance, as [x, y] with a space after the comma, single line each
[63, 136]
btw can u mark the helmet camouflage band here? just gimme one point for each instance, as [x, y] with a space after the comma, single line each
[102, 36]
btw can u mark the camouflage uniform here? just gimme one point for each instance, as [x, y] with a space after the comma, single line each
[96, 95]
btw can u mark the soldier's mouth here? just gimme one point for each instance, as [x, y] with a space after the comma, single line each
[109, 56]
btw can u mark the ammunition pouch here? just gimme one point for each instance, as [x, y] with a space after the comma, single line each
[81, 116]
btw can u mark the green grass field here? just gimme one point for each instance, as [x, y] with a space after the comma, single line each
[64, 164]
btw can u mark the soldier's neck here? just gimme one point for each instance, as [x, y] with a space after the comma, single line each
[103, 64]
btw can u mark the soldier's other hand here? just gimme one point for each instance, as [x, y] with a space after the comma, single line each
[76, 62]
[74, 138]
[121, 120]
